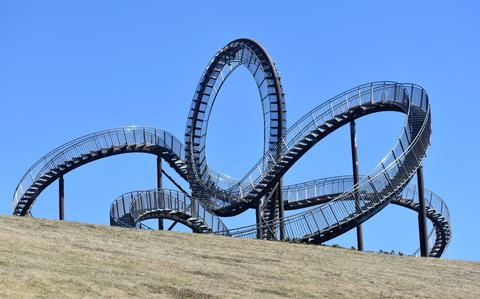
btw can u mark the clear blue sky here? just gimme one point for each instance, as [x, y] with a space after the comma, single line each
[71, 68]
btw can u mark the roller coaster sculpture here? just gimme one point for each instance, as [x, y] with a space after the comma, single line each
[338, 204]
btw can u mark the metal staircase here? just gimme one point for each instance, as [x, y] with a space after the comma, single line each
[338, 215]
[310, 129]
[337, 204]
[384, 182]
[93, 147]
[321, 191]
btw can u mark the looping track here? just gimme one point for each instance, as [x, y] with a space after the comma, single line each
[337, 205]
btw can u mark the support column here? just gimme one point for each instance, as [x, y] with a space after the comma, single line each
[61, 197]
[281, 209]
[353, 142]
[258, 214]
[422, 214]
[271, 205]
[159, 186]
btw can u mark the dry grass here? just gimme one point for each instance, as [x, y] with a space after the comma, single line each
[51, 259]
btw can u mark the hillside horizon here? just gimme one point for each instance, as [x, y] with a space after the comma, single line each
[45, 258]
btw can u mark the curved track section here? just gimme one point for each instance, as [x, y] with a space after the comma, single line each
[335, 209]
[90, 148]
[173, 205]
[131, 208]
[237, 53]
[437, 213]
[320, 122]
[374, 191]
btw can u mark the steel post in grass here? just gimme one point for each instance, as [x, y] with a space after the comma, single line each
[422, 214]
[258, 218]
[159, 186]
[353, 142]
[61, 197]
[281, 209]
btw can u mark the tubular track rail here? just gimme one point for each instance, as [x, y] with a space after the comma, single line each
[337, 204]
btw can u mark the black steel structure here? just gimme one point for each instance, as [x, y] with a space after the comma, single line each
[353, 142]
[159, 186]
[337, 204]
[422, 215]
[61, 198]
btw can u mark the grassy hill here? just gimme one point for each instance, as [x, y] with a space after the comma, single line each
[43, 258]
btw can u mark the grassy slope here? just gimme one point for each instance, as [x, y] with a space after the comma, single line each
[42, 258]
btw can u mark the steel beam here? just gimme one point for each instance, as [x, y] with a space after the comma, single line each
[61, 197]
[174, 182]
[271, 205]
[353, 142]
[281, 209]
[258, 214]
[173, 224]
[159, 186]
[422, 214]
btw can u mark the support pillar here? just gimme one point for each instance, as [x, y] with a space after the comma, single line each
[61, 197]
[271, 205]
[258, 214]
[422, 214]
[159, 186]
[281, 209]
[353, 142]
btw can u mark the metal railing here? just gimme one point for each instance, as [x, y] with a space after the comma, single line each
[317, 188]
[436, 209]
[120, 210]
[351, 204]
[228, 59]
[325, 113]
[408, 197]
[76, 150]
[363, 96]
[386, 180]
[137, 205]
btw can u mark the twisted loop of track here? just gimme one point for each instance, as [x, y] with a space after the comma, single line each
[337, 205]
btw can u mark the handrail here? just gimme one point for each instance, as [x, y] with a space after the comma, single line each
[243, 187]
[135, 205]
[102, 140]
[414, 150]
[347, 205]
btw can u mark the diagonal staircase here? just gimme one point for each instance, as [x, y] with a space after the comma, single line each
[337, 208]
[93, 147]
[383, 184]
[322, 191]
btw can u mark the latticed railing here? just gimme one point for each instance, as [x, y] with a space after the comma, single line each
[135, 206]
[386, 180]
[325, 113]
[74, 151]
[120, 211]
[240, 52]
[317, 188]
[363, 96]
[221, 194]
[438, 211]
